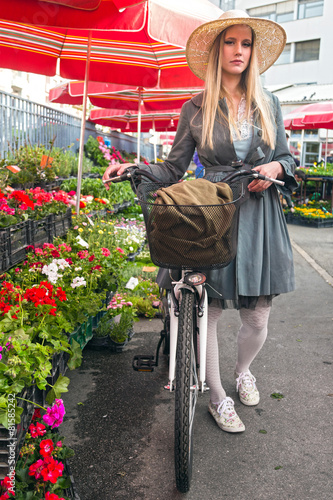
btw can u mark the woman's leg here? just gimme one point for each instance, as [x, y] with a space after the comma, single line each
[213, 379]
[252, 334]
[251, 337]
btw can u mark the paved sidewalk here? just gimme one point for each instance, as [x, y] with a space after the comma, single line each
[120, 422]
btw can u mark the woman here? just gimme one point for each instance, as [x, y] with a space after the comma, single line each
[233, 121]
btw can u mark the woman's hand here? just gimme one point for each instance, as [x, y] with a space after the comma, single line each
[273, 170]
[114, 170]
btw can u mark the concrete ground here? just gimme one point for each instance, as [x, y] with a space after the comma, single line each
[120, 422]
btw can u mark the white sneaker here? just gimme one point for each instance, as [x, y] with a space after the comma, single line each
[247, 389]
[225, 416]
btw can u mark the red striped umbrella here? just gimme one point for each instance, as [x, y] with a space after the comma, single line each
[128, 122]
[310, 116]
[108, 95]
[144, 45]
[64, 13]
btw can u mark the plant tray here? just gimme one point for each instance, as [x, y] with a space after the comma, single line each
[302, 221]
[106, 344]
[13, 242]
[41, 231]
[61, 223]
[83, 333]
[70, 492]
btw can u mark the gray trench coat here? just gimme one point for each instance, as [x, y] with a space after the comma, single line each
[264, 261]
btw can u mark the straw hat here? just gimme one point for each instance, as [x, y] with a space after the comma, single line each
[270, 40]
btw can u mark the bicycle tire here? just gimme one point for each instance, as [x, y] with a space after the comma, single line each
[185, 394]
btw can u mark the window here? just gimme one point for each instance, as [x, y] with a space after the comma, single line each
[285, 56]
[310, 8]
[307, 51]
[279, 12]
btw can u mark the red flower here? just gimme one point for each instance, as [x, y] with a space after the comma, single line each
[91, 258]
[38, 430]
[82, 204]
[51, 496]
[55, 253]
[60, 294]
[52, 469]
[106, 252]
[120, 250]
[46, 447]
[37, 414]
[96, 268]
[36, 469]
[83, 254]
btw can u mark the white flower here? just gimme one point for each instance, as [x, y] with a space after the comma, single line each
[82, 242]
[78, 269]
[61, 263]
[78, 282]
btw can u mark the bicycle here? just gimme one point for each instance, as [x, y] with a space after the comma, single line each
[185, 304]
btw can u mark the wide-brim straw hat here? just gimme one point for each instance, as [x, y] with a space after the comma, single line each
[270, 40]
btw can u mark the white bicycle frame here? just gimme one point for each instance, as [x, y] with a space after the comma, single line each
[202, 326]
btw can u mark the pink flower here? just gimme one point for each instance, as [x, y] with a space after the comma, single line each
[120, 250]
[106, 252]
[55, 414]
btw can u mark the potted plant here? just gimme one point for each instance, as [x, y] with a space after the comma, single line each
[115, 328]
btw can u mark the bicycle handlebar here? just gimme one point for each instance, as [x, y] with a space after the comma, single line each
[131, 172]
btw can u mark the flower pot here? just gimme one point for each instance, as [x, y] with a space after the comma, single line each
[106, 343]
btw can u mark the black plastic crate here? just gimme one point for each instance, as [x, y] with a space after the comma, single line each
[61, 223]
[14, 240]
[303, 221]
[4, 256]
[41, 231]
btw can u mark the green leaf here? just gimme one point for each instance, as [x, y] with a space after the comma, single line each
[262, 431]
[59, 387]
[76, 356]
[278, 467]
[277, 395]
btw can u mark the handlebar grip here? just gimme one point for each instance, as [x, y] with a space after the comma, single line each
[119, 178]
[269, 179]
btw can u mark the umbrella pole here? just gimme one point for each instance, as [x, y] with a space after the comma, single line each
[326, 147]
[139, 126]
[83, 126]
[302, 152]
[155, 154]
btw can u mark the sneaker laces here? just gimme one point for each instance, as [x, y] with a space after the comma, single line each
[246, 379]
[226, 406]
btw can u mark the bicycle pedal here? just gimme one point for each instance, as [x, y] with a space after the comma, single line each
[142, 363]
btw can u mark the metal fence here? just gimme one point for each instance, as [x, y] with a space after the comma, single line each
[26, 122]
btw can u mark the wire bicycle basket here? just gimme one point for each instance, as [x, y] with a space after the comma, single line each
[190, 235]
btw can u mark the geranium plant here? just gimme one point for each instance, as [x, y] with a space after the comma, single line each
[40, 470]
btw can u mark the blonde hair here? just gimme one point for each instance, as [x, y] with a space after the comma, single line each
[256, 100]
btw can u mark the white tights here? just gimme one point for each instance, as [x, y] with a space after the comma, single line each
[251, 337]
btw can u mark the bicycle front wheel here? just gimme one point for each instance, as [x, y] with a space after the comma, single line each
[186, 392]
